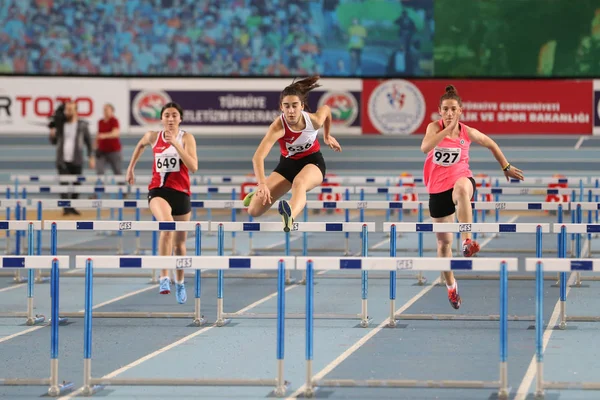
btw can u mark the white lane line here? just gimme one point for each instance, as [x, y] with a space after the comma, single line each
[6, 289]
[14, 335]
[579, 142]
[331, 366]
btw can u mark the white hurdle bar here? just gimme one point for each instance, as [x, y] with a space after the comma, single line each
[221, 227]
[171, 226]
[18, 226]
[53, 263]
[562, 265]
[503, 265]
[537, 229]
[92, 385]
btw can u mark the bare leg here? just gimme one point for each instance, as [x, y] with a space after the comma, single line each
[179, 244]
[278, 186]
[309, 178]
[161, 210]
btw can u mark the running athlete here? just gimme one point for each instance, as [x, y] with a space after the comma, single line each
[449, 179]
[301, 165]
[169, 190]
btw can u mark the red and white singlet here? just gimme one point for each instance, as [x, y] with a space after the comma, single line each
[168, 170]
[296, 145]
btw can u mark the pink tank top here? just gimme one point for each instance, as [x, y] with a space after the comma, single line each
[447, 162]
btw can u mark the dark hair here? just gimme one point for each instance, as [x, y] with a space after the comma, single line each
[172, 105]
[450, 94]
[301, 89]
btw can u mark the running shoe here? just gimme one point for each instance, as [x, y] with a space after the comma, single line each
[180, 293]
[286, 214]
[165, 286]
[470, 248]
[248, 199]
[454, 297]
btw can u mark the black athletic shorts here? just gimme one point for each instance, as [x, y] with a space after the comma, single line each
[179, 201]
[289, 168]
[441, 204]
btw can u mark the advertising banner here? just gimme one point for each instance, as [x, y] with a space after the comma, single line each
[404, 107]
[237, 106]
[27, 103]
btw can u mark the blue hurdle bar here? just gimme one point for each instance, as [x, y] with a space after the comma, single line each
[420, 228]
[92, 385]
[53, 263]
[563, 266]
[224, 318]
[115, 226]
[402, 263]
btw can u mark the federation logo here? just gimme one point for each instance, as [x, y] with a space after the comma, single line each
[146, 106]
[396, 107]
[344, 107]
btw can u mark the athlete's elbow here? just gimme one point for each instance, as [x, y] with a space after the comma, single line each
[425, 149]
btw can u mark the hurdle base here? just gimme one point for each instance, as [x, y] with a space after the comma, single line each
[38, 319]
[103, 382]
[132, 314]
[557, 385]
[291, 316]
[61, 320]
[200, 321]
[582, 318]
[398, 383]
[452, 317]
[60, 389]
[494, 277]
[220, 322]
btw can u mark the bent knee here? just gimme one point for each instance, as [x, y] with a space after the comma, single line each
[179, 248]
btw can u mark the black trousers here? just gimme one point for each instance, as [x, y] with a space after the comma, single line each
[70, 169]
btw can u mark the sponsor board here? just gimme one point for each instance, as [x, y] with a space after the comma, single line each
[405, 107]
[26, 103]
[237, 106]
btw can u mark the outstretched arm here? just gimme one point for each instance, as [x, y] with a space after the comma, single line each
[274, 133]
[487, 142]
[322, 118]
[146, 140]
[433, 136]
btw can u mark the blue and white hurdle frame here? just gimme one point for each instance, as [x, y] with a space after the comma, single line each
[30, 226]
[89, 263]
[393, 264]
[577, 229]
[420, 228]
[171, 226]
[301, 227]
[53, 263]
[561, 265]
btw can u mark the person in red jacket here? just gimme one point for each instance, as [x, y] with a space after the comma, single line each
[108, 143]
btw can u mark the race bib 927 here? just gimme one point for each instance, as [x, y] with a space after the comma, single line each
[446, 157]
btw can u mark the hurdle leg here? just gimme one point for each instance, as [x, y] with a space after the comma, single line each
[88, 389]
[221, 321]
[309, 391]
[31, 319]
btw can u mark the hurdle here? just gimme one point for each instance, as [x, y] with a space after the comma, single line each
[562, 265]
[196, 226]
[12, 225]
[563, 230]
[538, 229]
[224, 318]
[93, 385]
[54, 263]
[503, 265]
[31, 319]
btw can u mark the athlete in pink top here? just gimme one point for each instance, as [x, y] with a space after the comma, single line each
[449, 179]
[301, 165]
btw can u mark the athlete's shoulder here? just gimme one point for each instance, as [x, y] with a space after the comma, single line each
[434, 126]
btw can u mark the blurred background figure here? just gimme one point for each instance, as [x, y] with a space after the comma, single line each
[108, 142]
[69, 134]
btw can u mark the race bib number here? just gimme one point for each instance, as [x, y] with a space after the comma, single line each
[166, 163]
[446, 157]
[297, 148]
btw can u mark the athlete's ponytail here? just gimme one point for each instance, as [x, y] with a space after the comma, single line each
[301, 89]
[451, 94]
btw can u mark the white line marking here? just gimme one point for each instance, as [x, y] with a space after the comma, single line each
[6, 289]
[122, 297]
[14, 335]
[579, 142]
[331, 366]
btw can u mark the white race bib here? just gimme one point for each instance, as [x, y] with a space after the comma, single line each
[166, 163]
[445, 156]
[298, 148]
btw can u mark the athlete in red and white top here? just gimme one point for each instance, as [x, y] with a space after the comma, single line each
[449, 179]
[301, 165]
[174, 157]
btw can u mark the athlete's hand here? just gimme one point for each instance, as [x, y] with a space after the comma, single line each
[514, 173]
[130, 177]
[264, 193]
[332, 143]
[169, 137]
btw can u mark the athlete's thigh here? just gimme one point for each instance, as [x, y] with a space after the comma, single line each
[161, 209]
[278, 186]
[310, 176]
[462, 185]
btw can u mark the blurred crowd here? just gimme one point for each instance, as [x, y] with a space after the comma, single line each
[204, 37]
